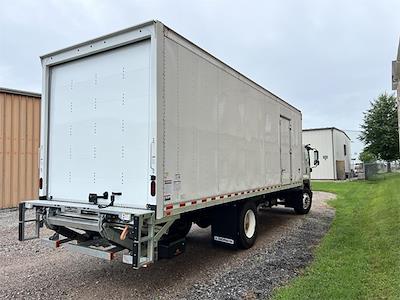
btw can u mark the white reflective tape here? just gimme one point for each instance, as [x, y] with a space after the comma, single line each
[223, 240]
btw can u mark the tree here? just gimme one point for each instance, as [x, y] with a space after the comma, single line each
[380, 132]
[367, 157]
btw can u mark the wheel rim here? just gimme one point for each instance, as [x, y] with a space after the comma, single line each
[306, 201]
[249, 223]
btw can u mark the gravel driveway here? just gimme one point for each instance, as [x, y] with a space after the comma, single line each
[284, 247]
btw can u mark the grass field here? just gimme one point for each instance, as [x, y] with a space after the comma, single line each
[359, 258]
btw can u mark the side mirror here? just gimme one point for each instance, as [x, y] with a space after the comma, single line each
[316, 158]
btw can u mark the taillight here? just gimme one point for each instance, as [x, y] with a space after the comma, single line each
[153, 185]
[40, 183]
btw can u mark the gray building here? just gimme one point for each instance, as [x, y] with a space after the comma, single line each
[334, 147]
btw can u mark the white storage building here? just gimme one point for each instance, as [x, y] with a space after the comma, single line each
[334, 147]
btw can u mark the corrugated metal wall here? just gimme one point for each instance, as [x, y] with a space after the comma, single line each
[19, 143]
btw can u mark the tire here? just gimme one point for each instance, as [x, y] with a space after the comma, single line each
[303, 202]
[179, 229]
[247, 225]
[203, 222]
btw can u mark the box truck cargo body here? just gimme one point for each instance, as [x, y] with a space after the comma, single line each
[144, 133]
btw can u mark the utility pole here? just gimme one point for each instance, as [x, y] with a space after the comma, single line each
[396, 84]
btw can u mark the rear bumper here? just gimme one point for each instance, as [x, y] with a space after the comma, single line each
[99, 232]
[124, 213]
[83, 216]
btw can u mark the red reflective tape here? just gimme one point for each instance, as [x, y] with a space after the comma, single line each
[153, 188]
[193, 202]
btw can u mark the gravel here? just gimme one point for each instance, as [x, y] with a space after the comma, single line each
[284, 246]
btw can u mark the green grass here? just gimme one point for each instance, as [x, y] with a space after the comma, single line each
[359, 258]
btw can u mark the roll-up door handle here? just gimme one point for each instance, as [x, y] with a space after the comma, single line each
[94, 197]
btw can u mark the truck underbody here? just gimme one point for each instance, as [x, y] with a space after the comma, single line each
[140, 237]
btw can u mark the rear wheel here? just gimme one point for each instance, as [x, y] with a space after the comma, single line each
[203, 222]
[303, 201]
[179, 229]
[247, 225]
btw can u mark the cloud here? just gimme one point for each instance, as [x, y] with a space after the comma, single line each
[329, 58]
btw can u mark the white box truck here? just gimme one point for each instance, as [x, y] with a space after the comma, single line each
[144, 133]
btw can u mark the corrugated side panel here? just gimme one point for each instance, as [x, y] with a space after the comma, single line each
[221, 134]
[19, 143]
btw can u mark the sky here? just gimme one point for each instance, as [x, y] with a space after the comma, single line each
[329, 58]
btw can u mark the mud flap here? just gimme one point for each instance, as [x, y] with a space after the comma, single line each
[225, 226]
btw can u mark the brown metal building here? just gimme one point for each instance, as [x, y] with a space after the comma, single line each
[19, 146]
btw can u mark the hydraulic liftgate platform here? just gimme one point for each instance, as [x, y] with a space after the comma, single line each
[99, 232]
